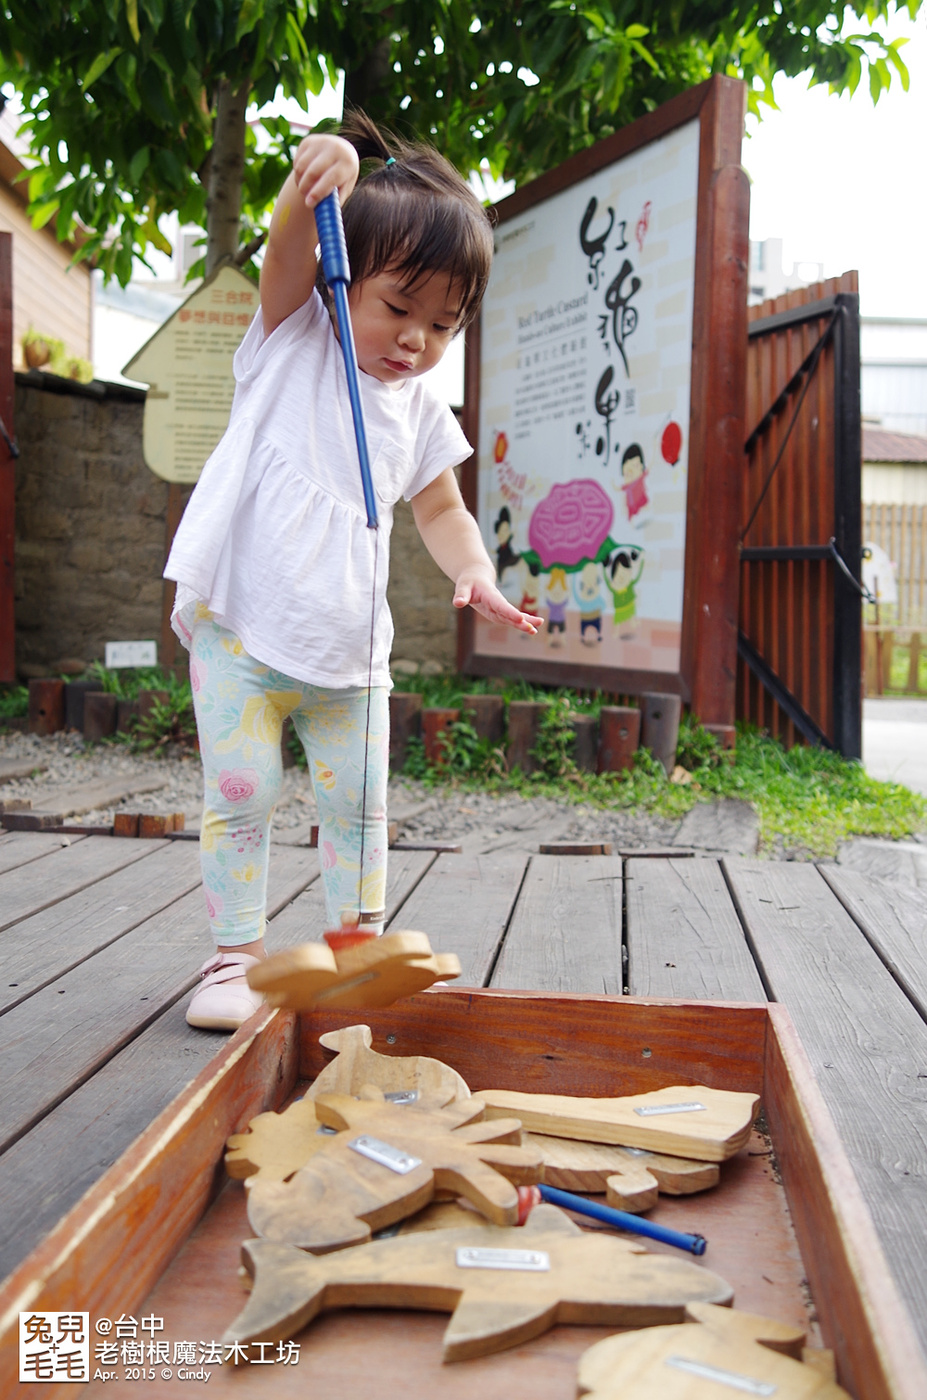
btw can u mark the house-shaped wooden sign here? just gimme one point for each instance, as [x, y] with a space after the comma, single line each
[188, 365]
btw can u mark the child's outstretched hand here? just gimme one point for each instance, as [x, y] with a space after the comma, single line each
[475, 589]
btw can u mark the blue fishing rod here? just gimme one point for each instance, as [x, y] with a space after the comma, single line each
[337, 273]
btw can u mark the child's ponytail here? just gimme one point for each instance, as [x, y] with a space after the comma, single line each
[415, 215]
[366, 137]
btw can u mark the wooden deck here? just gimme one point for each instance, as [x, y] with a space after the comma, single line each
[102, 938]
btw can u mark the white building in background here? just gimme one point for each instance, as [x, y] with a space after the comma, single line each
[767, 276]
[893, 351]
[124, 318]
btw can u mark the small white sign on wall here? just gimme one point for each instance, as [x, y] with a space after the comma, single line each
[120, 654]
[879, 574]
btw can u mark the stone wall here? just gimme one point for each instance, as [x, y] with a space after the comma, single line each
[420, 595]
[90, 535]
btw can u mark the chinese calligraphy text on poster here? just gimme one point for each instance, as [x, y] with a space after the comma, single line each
[584, 412]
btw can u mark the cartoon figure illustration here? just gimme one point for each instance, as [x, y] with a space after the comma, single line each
[588, 597]
[529, 577]
[530, 585]
[621, 581]
[506, 558]
[557, 595]
[634, 484]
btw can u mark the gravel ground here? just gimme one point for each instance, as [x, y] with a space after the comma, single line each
[480, 821]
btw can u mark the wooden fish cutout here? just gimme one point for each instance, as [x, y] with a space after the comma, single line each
[565, 1275]
[275, 1145]
[374, 973]
[357, 1064]
[630, 1176]
[386, 1162]
[728, 1353]
[687, 1120]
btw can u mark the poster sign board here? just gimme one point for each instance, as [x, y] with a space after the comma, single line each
[188, 365]
[591, 348]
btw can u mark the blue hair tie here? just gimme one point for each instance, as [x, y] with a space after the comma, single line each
[390, 161]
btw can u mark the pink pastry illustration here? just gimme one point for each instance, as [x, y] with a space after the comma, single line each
[570, 524]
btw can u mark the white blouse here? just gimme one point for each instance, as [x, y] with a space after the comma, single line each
[274, 540]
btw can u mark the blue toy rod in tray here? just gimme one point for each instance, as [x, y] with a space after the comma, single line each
[337, 273]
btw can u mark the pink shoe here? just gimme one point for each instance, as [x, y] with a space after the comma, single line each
[223, 1001]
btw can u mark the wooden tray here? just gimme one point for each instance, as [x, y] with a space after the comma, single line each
[160, 1232]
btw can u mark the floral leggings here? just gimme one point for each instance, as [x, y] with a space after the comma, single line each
[240, 708]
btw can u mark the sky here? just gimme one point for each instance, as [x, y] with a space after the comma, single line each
[844, 183]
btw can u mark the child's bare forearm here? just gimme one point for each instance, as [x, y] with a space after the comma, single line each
[448, 530]
[321, 164]
[452, 538]
[454, 542]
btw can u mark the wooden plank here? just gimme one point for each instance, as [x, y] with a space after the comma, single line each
[51, 1043]
[464, 904]
[21, 847]
[307, 920]
[47, 1172]
[730, 825]
[866, 1042]
[565, 935]
[901, 861]
[12, 768]
[48, 944]
[53, 805]
[28, 889]
[154, 1194]
[544, 1042]
[894, 919]
[684, 936]
[855, 1297]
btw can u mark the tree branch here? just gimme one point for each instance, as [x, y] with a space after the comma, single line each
[247, 252]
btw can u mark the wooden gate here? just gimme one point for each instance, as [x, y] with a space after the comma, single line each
[799, 661]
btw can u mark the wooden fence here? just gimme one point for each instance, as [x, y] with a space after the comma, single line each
[901, 530]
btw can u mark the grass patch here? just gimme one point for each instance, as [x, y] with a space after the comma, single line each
[808, 800]
[14, 701]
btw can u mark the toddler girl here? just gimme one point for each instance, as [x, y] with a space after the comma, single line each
[281, 586]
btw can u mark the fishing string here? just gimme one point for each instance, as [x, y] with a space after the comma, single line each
[373, 610]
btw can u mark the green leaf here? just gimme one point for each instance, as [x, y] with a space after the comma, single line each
[900, 67]
[248, 16]
[40, 214]
[139, 164]
[132, 18]
[875, 83]
[98, 66]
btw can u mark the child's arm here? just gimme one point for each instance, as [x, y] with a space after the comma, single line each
[321, 164]
[452, 538]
